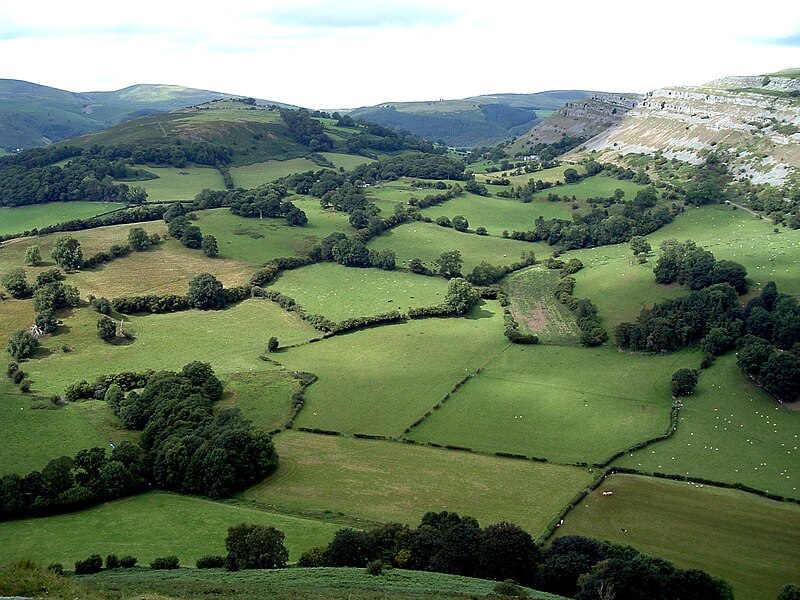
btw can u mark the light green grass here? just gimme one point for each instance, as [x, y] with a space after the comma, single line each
[390, 481]
[427, 241]
[256, 241]
[24, 218]
[597, 186]
[498, 214]
[179, 184]
[536, 309]
[560, 403]
[749, 541]
[251, 176]
[230, 339]
[348, 162]
[379, 380]
[147, 526]
[550, 175]
[340, 293]
[386, 195]
[264, 397]
[730, 431]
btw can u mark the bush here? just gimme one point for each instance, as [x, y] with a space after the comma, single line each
[56, 568]
[257, 546]
[211, 562]
[683, 382]
[165, 562]
[21, 345]
[128, 562]
[481, 231]
[112, 561]
[93, 564]
[106, 329]
[707, 360]
[231, 562]
[272, 344]
[314, 557]
[509, 588]
[102, 305]
[375, 567]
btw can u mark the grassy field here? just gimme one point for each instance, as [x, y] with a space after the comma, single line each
[730, 431]
[320, 583]
[179, 184]
[230, 339]
[380, 380]
[536, 401]
[427, 241]
[255, 241]
[389, 481]
[749, 541]
[597, 186]
[536, 309]
[25, 218]
[551, 175]
[251, 176]
[385, 195]
[147, 526]
[344, 292]
[348, 162]
[264, 397]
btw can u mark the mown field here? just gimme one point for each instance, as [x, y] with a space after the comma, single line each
[24, 218]
[565, 404]
[251, 176]
[749, 541]
[381, 481]
[380, 380]
[149, 525]
[730, 431]
[341, 293]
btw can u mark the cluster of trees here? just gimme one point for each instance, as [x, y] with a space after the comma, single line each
[351, 252]
[384, 139]
[417, 164]
[266, 201]
[306, 130]
[572, 566]
[181, 154]
[585, 311]
[697, 268]
[179, 226]
[205, 292]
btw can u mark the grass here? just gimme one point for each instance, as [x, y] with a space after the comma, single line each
[565, 404]
[324, 582]
[597, 186]
[550, 175]
[340, 293]
[147, 526]
[256, 241]
[380, 380]
[179, 184]
[427, 241]
[230, 339]
[348, 162]
[24, 218]
[536, 309]
[730, 431]
[251, 176]
[264, 397]
[389, 481]
[749, 541]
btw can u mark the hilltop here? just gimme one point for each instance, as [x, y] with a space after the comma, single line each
[33, 115]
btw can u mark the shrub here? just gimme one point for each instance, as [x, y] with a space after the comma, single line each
[272, 344]
[56, 568]
[165, 562]
[106, 329]
[509, 588]
[314, 557]
[211, 562]
[707, 360]
[92, 564]
[481, 231]
[231, 562]
[375, 567]
[21, 345]
[112, 561]
[102, 305]
[683, 382]
[128, 562]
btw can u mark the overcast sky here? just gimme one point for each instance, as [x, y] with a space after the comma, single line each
[350, 53]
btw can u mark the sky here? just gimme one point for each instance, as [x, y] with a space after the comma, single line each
[350, 53]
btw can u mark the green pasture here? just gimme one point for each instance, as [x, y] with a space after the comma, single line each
[297, 583]
[24, 218]
[340, 293]
[536, 309]
[179, 184]
[251, 176]
[348, 162]
[597, 186]
[14, 315]
[730, 431]
[256, 241]
[264, 397]
[750, 542]
[147, 526]
[379, 380]
[427, 241]
[230, 339]
[552, 175]
[387, 194]
[566, 404]
[379, 480]
[498, 214]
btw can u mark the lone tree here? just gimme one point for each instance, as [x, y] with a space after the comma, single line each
[257, 546]
[106, 329]
[205, 292]
[640, 245]
[272, 344]
[683, 382]
[461, 296]
[460, 223]
[449, 264]
[67, 253]
[16, 284]
[209, 246]
[33, 256]
[21, 345]
[138, 239]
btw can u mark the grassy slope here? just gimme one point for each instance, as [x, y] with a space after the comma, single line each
[598, 186]
[379, 380]
[348, 162]
[749, 541]
[534, 401]
[390, 481]
[251, 176]
[342, 292]
[179, 184]
[25, 218]
[147, 526]
[730, 431]
[264, 397]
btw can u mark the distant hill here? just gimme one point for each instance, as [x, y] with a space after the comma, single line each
[469, 122]
[33, 115]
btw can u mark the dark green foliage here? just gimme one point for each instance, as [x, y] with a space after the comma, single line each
[16, 284]
[349, 548]
[485, 274]
[697, 268]
[138, 239]
[272, 344]
[314, 557]
[780, 376]
[422, 166]
[415, 265]
[21, 345]
[150, 304]
[165, 563]
[209, 246]
[112, 561]
[306, 130]
[571, 176]
[506, 552]
[461, 296]
[383, 259]
[460, 223]
[191, 237]
[789, 592]
[46, 320]
[481, 231]
[375, 567]
[210, 562]
[54, 296]
[57, 568]
[351, 253]
[448, 264]
[443, 221]
[127, 562]
[205, 292]
[106, 329]
[49, 276]
[103, 306]
[707, 360]
[265, 274]
[91, 564]
[67, 253]
[257, 546]
[717, 341]
[683, 382]
[231, 562]
[509, 588]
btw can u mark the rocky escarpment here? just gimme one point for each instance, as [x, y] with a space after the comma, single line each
[578, 119]
[756, 116]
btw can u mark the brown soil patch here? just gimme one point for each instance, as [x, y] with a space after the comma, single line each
[536, 321]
